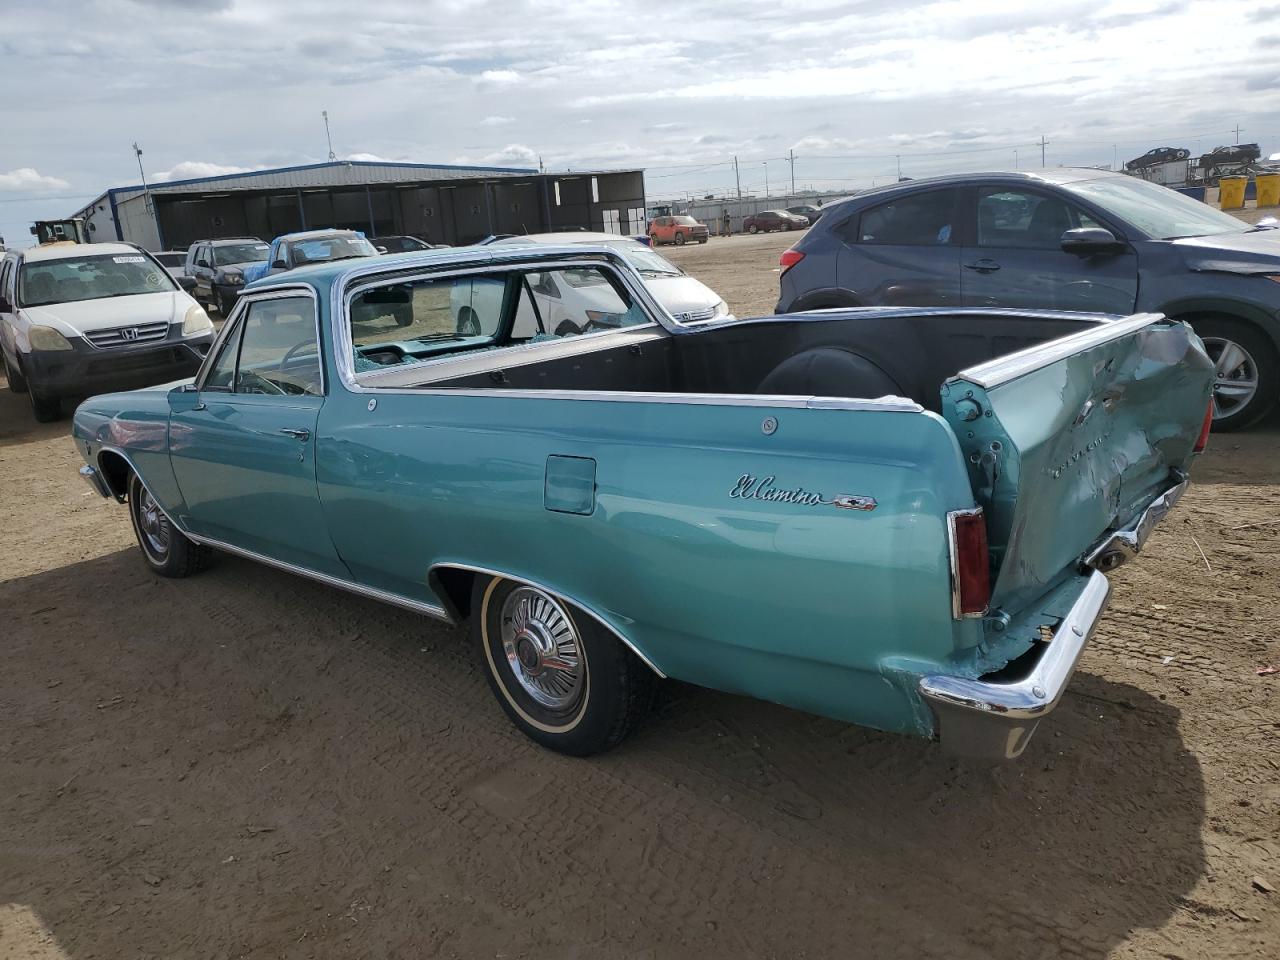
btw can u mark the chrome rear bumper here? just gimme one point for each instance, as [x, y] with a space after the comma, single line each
[983, 718]
[1123, 545]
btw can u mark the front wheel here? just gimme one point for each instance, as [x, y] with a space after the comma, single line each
[165, 548]
[702, 239]
[45, 408]
[224, 306]
[17, 382]
[679, 239]
[563, 679]
[1246, 371]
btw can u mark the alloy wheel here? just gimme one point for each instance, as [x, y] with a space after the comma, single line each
[1235, 375]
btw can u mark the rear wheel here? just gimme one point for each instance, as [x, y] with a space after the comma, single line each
[653, 239]
[562, 678]
[165, 548]
[1246, 371]
[753, 229]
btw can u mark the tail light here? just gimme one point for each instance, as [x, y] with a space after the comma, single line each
[789, 259]
[970, 563]
[1203, 440]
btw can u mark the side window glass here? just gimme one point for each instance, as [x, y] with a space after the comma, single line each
[279, 354]
[579, 300]
[1014, 218]
[922, 219]
[222, 373]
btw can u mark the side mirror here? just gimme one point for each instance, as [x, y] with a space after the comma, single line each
[187, 283]
[279, 265]
[202, 263]
[1090, 241]
[381, 249]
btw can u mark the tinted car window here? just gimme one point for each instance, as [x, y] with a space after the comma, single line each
[1019, 218]
[921, 219]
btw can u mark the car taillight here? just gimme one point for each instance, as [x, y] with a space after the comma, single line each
[789, 259]
[970, 563]
[1203, 440]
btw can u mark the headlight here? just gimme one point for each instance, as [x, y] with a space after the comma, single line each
[722, 310]
[233, 278]
[196, 322]
[47, 338]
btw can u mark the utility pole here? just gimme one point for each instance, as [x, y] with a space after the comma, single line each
[1238, 129]
[899, 159]
[1043, 143]
[325, 114]
[1015, 158]
[736, 179]
[766, 179]
[1115, 156]
[792, 157]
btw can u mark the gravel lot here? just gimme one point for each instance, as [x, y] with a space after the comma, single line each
[250, 765]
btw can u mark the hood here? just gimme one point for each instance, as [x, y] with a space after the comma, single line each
[1257, 251]
[80, 316]
[682, 294]
[240, 267]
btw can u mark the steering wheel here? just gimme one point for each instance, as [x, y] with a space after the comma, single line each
[284, 362]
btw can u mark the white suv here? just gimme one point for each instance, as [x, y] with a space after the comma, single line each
[78, 319]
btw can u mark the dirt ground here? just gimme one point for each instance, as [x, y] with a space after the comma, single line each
[250, 765]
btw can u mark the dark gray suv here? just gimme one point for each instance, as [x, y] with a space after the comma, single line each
[1063, 240]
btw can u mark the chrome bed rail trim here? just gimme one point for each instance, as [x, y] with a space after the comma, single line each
[996, 720]
[372, 593]
[1011, 366]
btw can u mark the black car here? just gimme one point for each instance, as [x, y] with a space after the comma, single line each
[1157, 155]
[1082, 240]
[401, 244]
[808, 211]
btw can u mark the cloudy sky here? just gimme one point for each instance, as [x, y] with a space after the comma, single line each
[674, 86]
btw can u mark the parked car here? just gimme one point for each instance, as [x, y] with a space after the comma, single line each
[1059, 240]
[219, 266]
[677, 230]
[310, 246]
[685, 298]
[767, 220]
[172, 261]
[1156, 156]
[77, 319]
[808, 211]
[401, 244]
[868, 515]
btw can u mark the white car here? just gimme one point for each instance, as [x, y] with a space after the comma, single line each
[78, 319]
[687, 299]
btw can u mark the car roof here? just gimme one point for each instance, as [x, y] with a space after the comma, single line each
[565, 237]
[315, 234]
[67, 250]
[231, 240]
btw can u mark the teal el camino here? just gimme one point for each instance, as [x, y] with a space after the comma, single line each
[900, 518]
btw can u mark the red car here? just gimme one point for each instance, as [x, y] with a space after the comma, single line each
[677, 230]
[767, 220]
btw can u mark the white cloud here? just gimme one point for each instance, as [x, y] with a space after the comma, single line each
[194, 169]
[368, 158]
[28, 178]
[512, 155]
[499, 77]
[495, 121]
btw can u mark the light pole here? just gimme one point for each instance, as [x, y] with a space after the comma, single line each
[147, 203]
[766, 179]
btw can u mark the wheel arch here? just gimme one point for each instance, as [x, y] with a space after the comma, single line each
[452, 583]
[826, 298]
[1190, 308]
[115, 469]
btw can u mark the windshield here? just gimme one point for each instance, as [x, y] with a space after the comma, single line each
[686, 221]
[646, 261]
[170, 259]
[1157, 211]
[331, 248]
[90, 278]
[239, 253]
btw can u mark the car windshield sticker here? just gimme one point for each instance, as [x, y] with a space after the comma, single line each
[129, 259]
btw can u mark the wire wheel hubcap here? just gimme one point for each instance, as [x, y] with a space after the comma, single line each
[543, 648]
[1235, 375]
[153, 525]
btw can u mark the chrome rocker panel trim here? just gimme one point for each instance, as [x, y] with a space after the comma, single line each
[1124, 544]
[995, 721]
[372, 593]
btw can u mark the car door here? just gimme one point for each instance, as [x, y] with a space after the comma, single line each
[1015, 257]
[242, 443]
[904, 251]
[8, 267]
[204, 271]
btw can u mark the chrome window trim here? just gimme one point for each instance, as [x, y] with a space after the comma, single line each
[242, 306]
[1001, 370]
[373, 593]
[487, 571]
[348, 285]
[954, 564]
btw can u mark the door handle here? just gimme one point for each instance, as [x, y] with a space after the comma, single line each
[983, 266]
[296, 433]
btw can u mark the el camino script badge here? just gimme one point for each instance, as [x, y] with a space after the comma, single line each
[751, 488]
